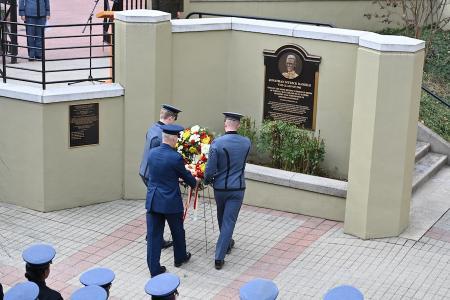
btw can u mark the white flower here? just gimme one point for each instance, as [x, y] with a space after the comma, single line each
[205, 148]
[196, 158]
[180, 148]
[195, 138]
[195, 128]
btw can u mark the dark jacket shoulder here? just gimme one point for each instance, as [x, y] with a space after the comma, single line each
[46, 293]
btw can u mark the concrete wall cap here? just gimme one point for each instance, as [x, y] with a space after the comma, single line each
[262, 26]
[21, 92]
[142, 16]
[384, 43]
[60, 94]
[391, 43]
[204, 24]
[299, 181]
[328, 33]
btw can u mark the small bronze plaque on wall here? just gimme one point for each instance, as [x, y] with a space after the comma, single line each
[290, 86]
[83, 124]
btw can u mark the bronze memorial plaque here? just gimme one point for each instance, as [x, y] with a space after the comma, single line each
[290, 87]
[83, 124]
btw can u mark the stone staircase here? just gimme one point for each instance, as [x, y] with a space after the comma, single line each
[427, 164]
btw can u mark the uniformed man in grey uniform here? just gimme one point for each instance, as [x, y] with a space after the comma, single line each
[167, 115]
[225, 170]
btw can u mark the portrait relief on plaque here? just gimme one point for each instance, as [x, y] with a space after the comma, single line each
[290, 86]
[290, 65]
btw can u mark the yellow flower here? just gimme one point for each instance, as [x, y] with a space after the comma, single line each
[193, 150]
[206, 140]
[203, 167]
[186, 134]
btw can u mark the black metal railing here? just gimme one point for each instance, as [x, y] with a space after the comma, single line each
[133, 4]
[119, 5]
[47, 56]
[202, 14]
[436, 97]
[8, 12]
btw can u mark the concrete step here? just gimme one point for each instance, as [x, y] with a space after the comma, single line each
[426, 167]
[428, 204]
[422, 148]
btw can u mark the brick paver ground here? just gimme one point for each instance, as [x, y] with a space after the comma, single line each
[305, 256]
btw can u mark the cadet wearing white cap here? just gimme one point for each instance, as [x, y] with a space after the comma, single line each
[344, 292]
[102, 277]
[23, 291]
[167, 115]
[259, 289]
[92, 292]
[38, 259]
[225, 170]
[163, 287]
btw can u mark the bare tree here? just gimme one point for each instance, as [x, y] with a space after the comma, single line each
[414, 15]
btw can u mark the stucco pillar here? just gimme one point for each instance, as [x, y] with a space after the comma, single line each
[384, 127]
[143, 45]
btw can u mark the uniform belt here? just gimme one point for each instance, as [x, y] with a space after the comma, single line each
[230, 190]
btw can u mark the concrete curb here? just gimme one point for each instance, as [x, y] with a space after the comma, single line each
[299, 181]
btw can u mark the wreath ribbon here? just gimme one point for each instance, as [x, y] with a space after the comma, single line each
[192, 195]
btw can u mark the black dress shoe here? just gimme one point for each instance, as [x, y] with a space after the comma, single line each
[218, 263]
[231, 246]
[188, 257]
[166, 244]
[162, 270]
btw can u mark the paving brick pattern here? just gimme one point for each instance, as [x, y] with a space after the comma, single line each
[305, 256]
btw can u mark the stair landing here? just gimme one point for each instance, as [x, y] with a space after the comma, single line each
[428, 204]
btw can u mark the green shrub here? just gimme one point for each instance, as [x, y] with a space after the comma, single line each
[291, 148]
[248, 129]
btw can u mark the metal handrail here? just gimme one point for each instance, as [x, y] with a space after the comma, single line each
[44, 51]
[426, 89]
[201, 14]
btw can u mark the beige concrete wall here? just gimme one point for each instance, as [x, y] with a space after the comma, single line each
[145, 71]
[21, 153]
[383, 138]
[342, 14]
[226, 73]
[335, 88]
[293, 200]
[38, 170]
[83, 175]
[200, 77]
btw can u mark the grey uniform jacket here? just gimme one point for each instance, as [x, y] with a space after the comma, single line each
[226, 162]
[152, 140]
